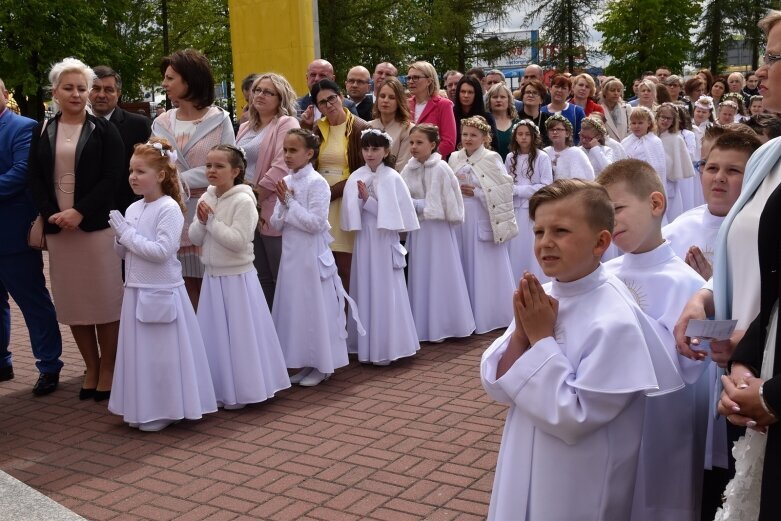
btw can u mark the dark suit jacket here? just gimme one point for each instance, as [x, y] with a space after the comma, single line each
[99, 157]
[364, 108]
[305, 101]
[16, 206]
[751, 348]
[133, 128]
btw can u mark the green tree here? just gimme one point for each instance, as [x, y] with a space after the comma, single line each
[563, 27]
[641, 35]
[710, 43]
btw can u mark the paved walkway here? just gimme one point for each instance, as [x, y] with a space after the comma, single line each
[417, 440]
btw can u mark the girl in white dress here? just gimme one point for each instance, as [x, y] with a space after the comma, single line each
[592, 142]
[245, 358]
[680, 171]
[489, 224]
[437, 288]
[376, 205]
[308, 308]
[568, 161]
[643, 143]
[531, 169]
[161, 374]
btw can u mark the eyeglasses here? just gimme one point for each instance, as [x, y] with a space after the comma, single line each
[531, 93]
[769, 59]
[415, 78]
[330, 100]
[264, 92]
[555, 130]
[665, 118]
[356, 81]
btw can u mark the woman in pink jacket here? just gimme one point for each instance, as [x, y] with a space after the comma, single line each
[426, 106]
[272, 113]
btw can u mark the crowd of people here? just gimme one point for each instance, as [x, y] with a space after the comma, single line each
[197, 266]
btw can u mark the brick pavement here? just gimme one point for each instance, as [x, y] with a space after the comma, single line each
[417, 440]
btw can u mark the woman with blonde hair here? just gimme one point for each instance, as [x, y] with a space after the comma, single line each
[74, 166]
[617, 112]
[583, 91]
[391, 115]
[646, 95]
[500, 105]
[427, 106]
[272, 113]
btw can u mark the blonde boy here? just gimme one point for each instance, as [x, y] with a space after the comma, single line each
[574, 366]
[673, 450]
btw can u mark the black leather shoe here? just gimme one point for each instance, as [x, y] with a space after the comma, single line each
[46, 384]
[6, 373]
[86, 394]
[102, 395]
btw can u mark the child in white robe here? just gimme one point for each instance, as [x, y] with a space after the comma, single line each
[531, 169]
[245, 357]
[567, 160]
[489, 224]
[669, 479]
[308, 308]
[376, 204]
[678, 164]
[592, 142]
[645, 145]
[575, 413]
[437, 288]
[161, 374]
[692, 237]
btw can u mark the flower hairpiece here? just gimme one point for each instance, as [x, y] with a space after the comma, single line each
[476, 123]
[172, 155]
[728, 103]
[377, 132]
[596, 124]
[704, 102]
[558, 118]
[732, 96]
[527, 123]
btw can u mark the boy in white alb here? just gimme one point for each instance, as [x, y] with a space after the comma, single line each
[692, 237]
[669, 477]
[575, 366]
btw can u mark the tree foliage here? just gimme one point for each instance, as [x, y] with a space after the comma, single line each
[641, 35]
[124, 34]
[563, 27]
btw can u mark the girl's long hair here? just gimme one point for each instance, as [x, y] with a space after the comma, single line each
[515, 148]
[159, 159]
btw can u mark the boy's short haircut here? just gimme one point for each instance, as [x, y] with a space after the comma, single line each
[638, 177]
[741, 141]
[766, 123]
[599, 209]
[714, 131]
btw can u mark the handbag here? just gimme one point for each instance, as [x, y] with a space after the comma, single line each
[36, 237]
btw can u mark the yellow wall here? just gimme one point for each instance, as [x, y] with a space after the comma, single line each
[272, 36]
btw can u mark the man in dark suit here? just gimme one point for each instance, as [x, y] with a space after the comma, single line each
[358, 84]
[21, 268]
[133, 128]
[316, 71]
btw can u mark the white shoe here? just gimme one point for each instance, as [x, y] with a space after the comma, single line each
[155, 426]
[234, 406]
[313, 378]
[133, 425]
[296, 378]
[383, 363]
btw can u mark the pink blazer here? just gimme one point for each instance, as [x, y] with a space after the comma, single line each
[439, 112]
[270, 167]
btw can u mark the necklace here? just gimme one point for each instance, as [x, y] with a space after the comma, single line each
[69, 137]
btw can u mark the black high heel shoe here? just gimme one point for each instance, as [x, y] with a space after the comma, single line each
[102, 395]
[86, 394]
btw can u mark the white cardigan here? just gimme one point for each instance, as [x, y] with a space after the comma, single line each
[436, 184]
[497, 185]
[226, 238]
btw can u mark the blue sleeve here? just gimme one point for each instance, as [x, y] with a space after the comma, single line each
[14, 180]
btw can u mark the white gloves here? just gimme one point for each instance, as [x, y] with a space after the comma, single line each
[118, 223]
